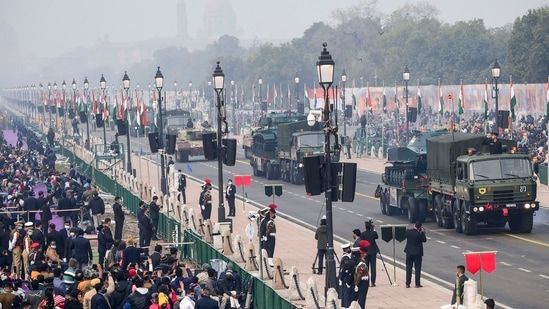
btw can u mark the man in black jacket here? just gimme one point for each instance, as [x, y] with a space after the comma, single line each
[154, 213]
[31, 204]
[414, 253]
[371, 235]
[81, 249]
[118, 217]
[45, 214]
[182, 186]
[97, 206]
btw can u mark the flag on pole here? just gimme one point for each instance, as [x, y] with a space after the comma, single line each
[275, 94]
[144, 122]
[269, 94]
[307, 101]
[513, 98]
[314, 90]
[105, 109]
[418, 99]
[137, 109]
[461, 103]
[440, 99]
[486, 98]
[115, 109]
[384, 99]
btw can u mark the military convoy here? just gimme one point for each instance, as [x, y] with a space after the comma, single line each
[278, 148]
[459, 187]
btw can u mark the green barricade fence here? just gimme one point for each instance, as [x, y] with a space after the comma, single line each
[264, 296]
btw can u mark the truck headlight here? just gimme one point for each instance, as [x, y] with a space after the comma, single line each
[481, 208]
[300, 165]
[475, 209]
[527, 205]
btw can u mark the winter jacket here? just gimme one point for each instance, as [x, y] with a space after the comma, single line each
[121, 292]
[97, 205]
[321, 237]
[140, 299]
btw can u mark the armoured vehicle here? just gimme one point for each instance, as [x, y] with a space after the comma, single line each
[189, 143]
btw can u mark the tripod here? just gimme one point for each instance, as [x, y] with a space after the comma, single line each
[316, 258]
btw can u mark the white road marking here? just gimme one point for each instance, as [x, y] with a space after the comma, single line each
[544, 276]
[506, 264]
[524, 270]
[350, 211]
[455, 247]
[441, 242]
[360, 215]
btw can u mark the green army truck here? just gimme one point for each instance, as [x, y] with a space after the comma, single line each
[297, 140]
[404, 184]
[468, 188]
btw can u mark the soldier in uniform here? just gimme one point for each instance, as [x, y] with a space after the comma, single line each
[16, 247]
[361, 279]
[262, 221]
[27, 242]
[182, 185]
[205, 200]
[346, 271]
[270, 234]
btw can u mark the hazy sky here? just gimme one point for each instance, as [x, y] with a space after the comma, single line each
[49, 28]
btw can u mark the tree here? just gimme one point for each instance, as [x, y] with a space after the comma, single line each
[528, 48]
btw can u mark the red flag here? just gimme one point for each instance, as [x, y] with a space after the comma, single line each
[94, 103]
[369, 100]
[268, 95]
[488, 261]
[472, 262]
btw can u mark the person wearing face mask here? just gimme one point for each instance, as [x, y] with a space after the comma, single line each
[51, 254]
[68, 243]
[56, 237]
[16, 247]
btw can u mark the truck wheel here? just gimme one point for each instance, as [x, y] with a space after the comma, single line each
[468, 223]
[413, 210]
[438, 210]
[457, 216]
[382, 199]
[269, 171]
[521, 223]
[447, 220]
[422, 211]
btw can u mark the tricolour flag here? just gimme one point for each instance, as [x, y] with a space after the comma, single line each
[486, 98]
[275, 94]
[440, 99]
[397, 101]
[306, 100]
[461, 103]
[418, 99]
[513, 99]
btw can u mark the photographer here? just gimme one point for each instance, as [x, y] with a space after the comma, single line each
[414, 253]
[371, 235]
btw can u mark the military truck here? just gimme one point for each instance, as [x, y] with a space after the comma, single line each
[297, 140]
[404, 184]
[247, 141]
[468, 188]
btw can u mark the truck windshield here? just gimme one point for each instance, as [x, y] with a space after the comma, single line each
[176, 121]
[311, 140]
[507, 168]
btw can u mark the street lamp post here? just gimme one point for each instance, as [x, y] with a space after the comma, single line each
[86, 94]
[126, 85]
[343, 81]
[406, 77]
[49, 103]
[496, 70]
[55, 107]
[233, 105]
[175, 94]
[103, 86]
[64, 87]
[158, 82]
[218, 79]
[74, 98]
[325, 70]
[190, 95]
[300, 110]
[41, 98]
